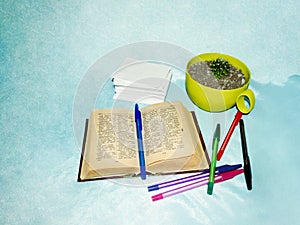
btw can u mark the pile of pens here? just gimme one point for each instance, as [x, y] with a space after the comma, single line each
[215, 174]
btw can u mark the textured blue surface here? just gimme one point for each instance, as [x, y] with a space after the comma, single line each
[47, 47]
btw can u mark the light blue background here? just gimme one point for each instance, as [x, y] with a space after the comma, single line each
[46, 48]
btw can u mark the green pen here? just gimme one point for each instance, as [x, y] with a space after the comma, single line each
[213, 160]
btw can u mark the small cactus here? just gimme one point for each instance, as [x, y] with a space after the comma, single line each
[219, 67]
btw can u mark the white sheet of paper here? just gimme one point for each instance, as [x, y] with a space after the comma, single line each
[142, 74]
[140, 81]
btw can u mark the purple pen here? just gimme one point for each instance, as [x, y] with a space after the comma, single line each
[203, 174]
[219, 178]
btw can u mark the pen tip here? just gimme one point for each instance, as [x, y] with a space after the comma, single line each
[210, 188]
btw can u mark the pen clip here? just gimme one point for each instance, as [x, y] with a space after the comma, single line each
[138, 117]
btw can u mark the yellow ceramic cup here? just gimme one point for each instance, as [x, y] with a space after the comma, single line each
[215, 100]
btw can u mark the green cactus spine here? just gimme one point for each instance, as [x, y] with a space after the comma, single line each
[219, 67]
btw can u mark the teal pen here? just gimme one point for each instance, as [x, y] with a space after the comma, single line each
[213, 160]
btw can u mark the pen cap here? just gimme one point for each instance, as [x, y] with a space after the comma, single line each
[157, 197]
[153, 188]
[210, 188]
[143, 172]
[248, 176]
[217, 132]
[138, 118]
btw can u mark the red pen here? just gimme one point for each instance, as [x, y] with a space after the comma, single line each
[235, 122]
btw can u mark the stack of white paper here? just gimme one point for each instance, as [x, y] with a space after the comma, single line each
[140, 81]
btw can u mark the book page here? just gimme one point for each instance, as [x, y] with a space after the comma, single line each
[111, 140]
[164, 132]
[191, 140]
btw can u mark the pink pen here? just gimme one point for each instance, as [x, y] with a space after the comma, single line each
[219, 178]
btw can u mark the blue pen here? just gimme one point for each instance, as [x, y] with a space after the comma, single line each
[198, 176]
[138, 122]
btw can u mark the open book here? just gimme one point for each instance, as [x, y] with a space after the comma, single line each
[172, 142]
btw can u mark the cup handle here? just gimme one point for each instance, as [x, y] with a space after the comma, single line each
[247, 96]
